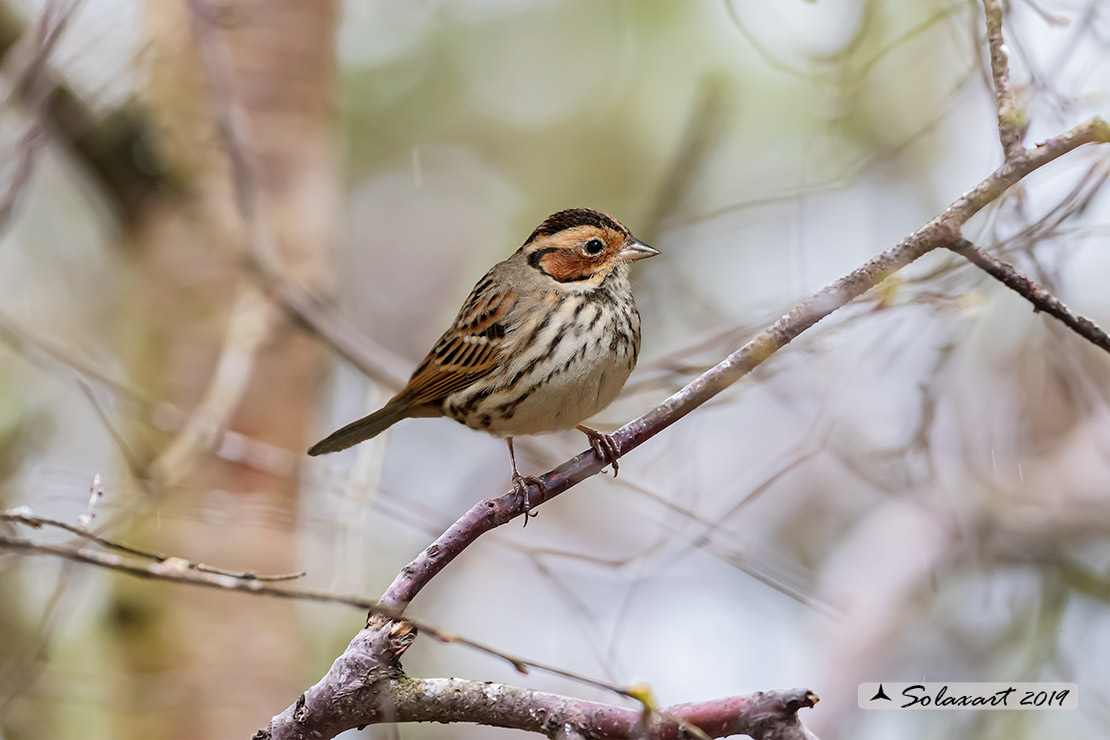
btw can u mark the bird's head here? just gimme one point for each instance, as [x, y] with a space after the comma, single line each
[582, 247]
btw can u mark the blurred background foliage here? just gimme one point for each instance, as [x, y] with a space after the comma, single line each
[916, 489]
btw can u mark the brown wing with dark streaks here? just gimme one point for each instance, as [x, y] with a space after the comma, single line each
[468, 351]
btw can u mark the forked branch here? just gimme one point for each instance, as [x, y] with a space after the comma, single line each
[365, 686]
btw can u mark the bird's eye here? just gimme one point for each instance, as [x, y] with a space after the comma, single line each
[594, 246]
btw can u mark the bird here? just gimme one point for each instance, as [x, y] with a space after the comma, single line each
[546, 339]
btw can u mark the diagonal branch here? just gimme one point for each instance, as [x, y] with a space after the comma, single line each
[494, 512]
[248, 329]
[940, 232]
[1010, 125]
[1041, 299]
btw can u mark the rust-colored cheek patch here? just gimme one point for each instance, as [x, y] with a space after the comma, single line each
[568, 266]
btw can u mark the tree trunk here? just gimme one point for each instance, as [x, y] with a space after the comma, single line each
[206, 339]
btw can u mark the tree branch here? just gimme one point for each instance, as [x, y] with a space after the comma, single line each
[1010, 125]
[23, 515]
[178, 570]
[773, 712]
[761, 715]
[365, 686]
[942, 231]
[249, 327]
[1041, 299]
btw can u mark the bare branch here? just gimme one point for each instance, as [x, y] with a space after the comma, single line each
[1092, 131]
[1010, 125]
[96, 492]
[23, 515]
[54, 359]
[364, 686]
[763, 715]
[1041, 299]
[322, 321]
[178, 570]
[248, 328]
[166, 568]
[941, 231]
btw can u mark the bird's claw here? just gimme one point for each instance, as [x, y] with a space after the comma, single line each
[521, 484]
[605, 447]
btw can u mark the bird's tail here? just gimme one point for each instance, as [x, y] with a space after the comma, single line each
[363, 429]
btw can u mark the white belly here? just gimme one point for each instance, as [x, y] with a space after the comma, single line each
[567, 399]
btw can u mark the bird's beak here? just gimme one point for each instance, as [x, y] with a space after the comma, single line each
[636, 250]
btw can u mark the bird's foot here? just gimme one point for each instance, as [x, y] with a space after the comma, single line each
[604, 445]
[521, 484]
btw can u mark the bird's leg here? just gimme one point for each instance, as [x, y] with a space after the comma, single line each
[521, 483]
[604, 445]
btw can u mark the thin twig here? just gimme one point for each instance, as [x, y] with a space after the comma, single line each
[96, 492]
[37, 350]
[42, 354]
[178, 570]
[706, 122]
[1041, 299]
[23, 515]
[31, 657]
[1010, 125]
[134, 465]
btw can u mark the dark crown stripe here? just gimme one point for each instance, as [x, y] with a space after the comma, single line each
[573, 217]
